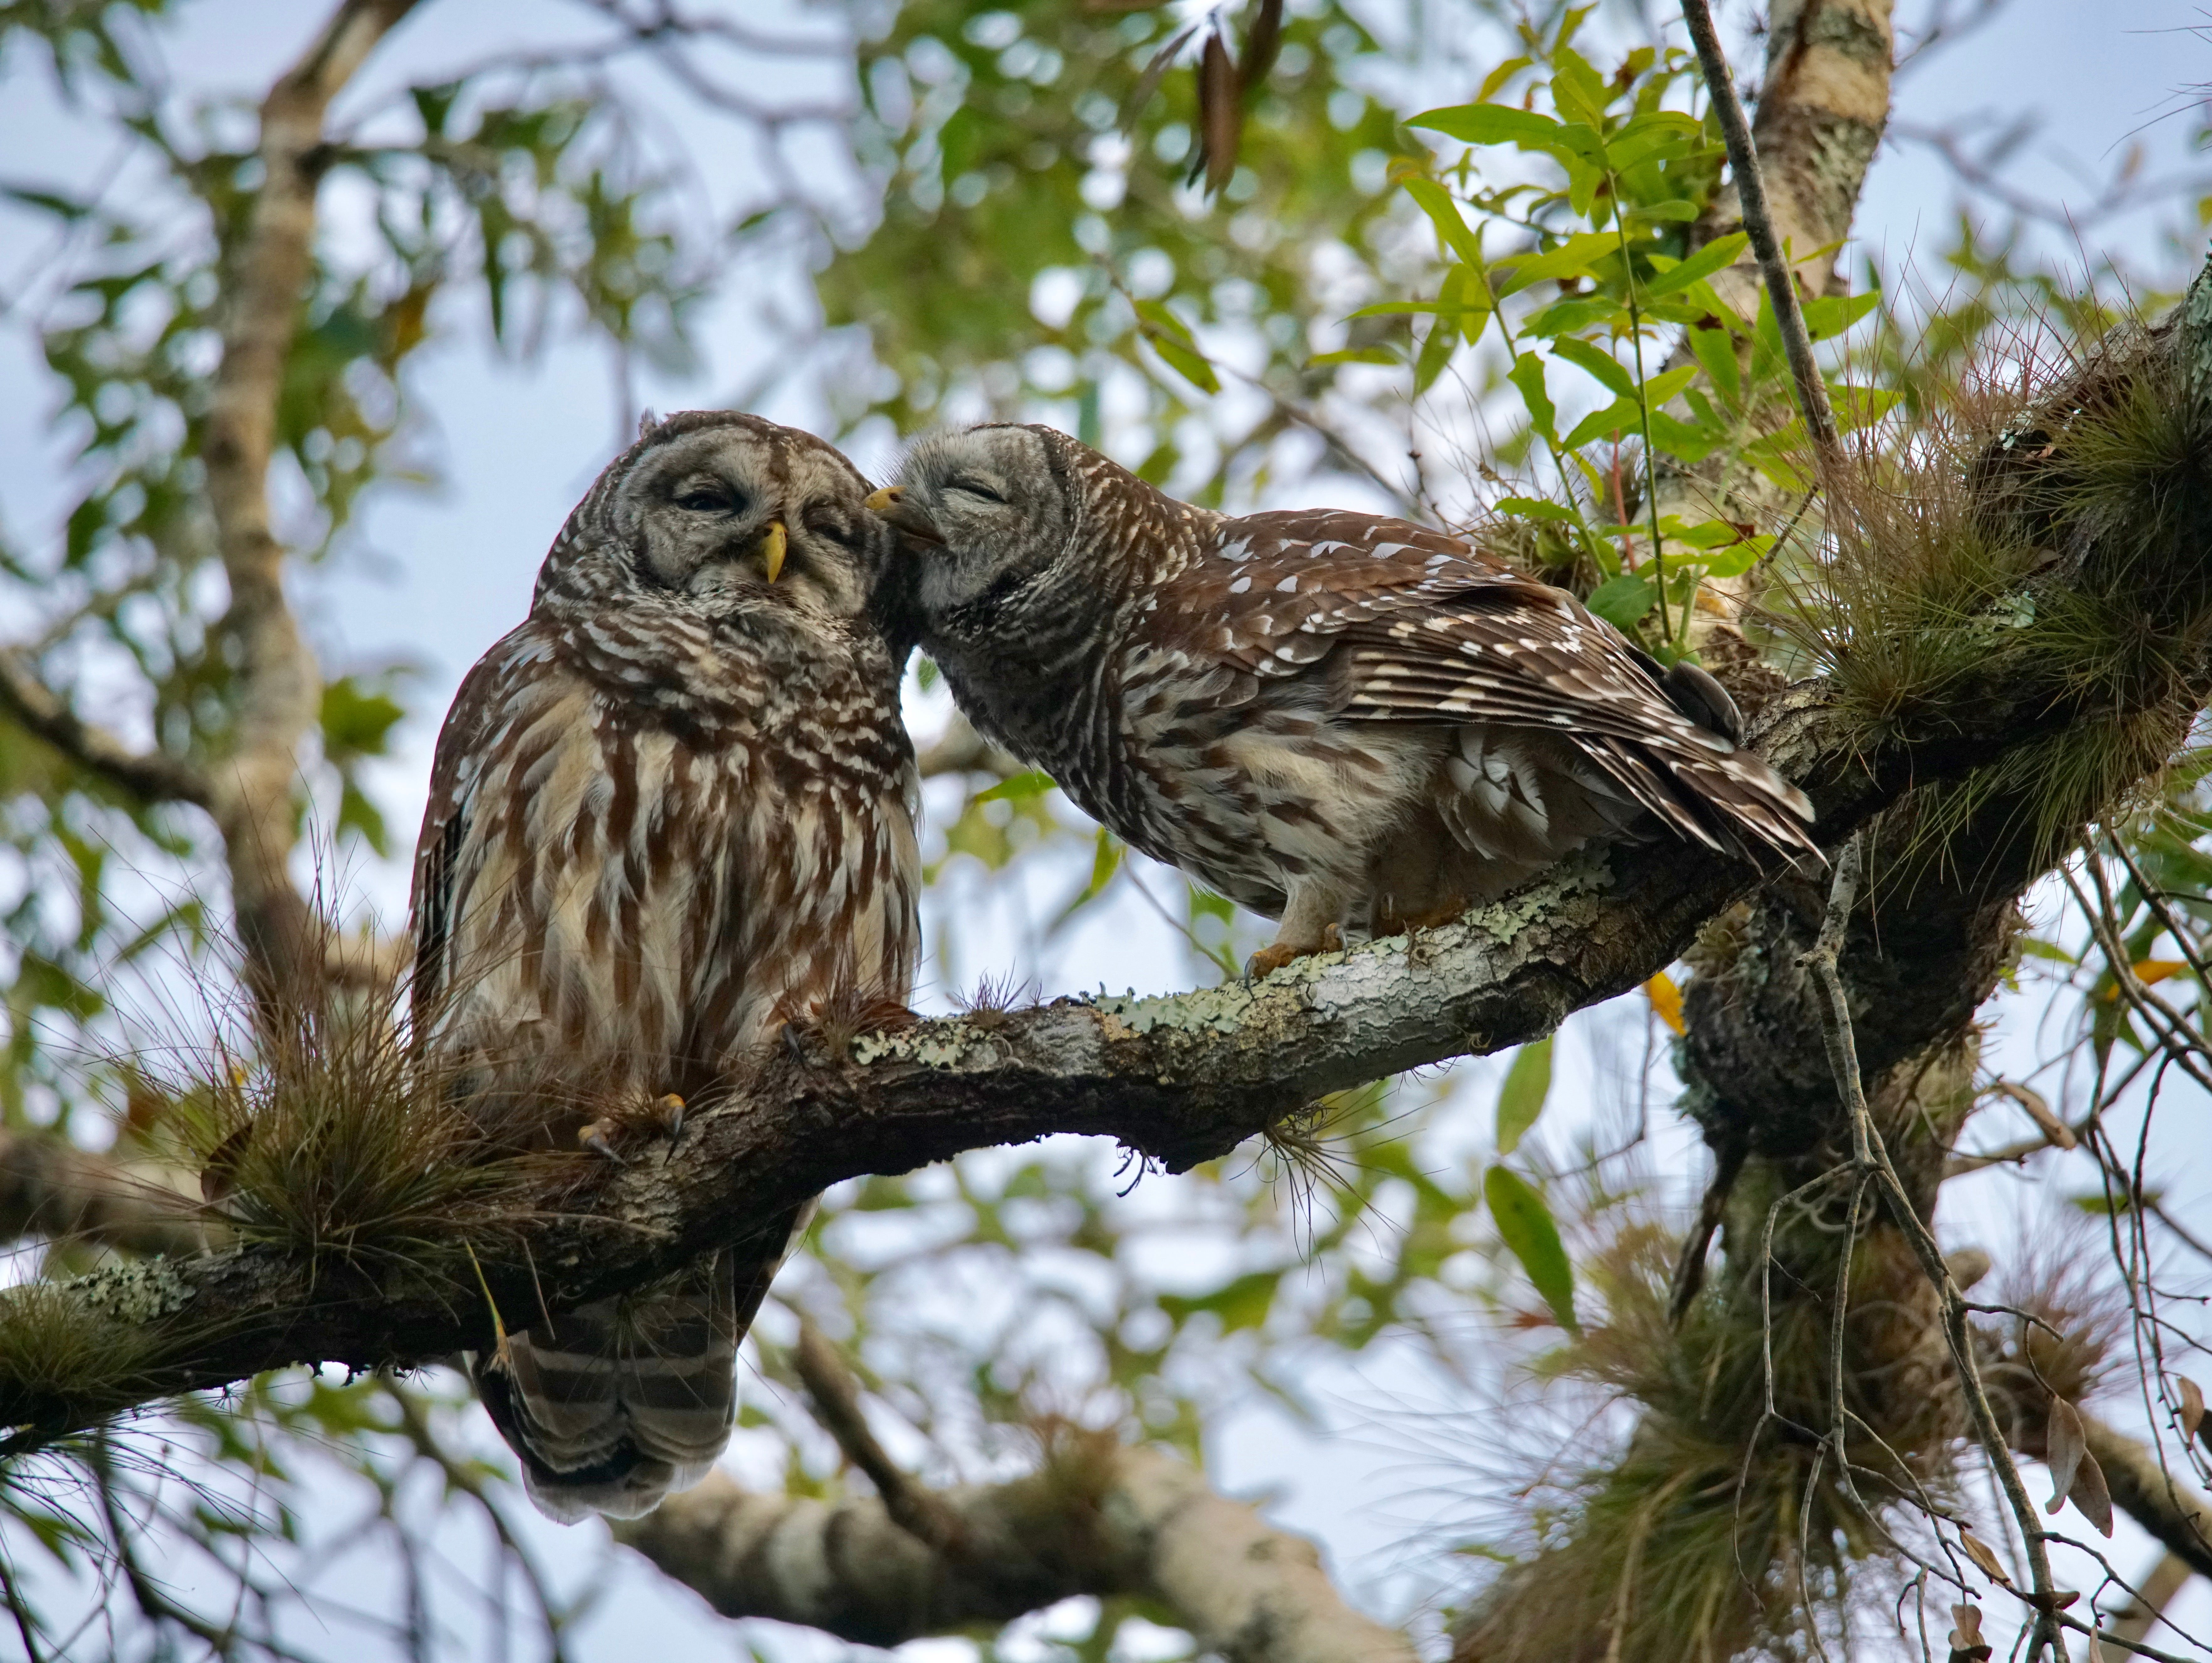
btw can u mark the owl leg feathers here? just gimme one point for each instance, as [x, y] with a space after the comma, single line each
[1312, 923]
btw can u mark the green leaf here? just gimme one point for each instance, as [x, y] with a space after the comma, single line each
[1017, 787]
[1535, 507]
[1243, 1303]
[1609, 371]
[1715, 255]
[1521, 1099]
[1490, 124]
[1187, 363]
[1163, 324]
[1105, 861]
[1528, 376]
[1621, 601]
[1573, 259]
[1524, 1225]
[1715, 351]
[1453, 235]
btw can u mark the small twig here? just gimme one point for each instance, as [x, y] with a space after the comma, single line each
[1690, 1268]
[1870, 1156]
[836, 1399]
[1758, 225]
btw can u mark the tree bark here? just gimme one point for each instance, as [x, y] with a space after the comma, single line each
[279, 686]
[1097, 1519]
[1184, 1078]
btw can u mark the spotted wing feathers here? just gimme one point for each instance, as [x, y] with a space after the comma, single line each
[1409, 625]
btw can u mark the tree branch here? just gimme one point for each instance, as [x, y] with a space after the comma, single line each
[1097, 1518]
[280, 688]
[50, 1187]
[149, 777]
[2177, 1513]
[1180, 1080]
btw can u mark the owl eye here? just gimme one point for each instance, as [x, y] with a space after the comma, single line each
[834, 529]
[708, 499]
[971, 488]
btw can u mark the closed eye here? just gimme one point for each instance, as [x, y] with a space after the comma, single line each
[708, 499]
[972, 488]
[834, 529]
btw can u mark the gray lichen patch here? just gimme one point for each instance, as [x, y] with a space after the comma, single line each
[1223, 1009]
[1586, 871]
[950, 1043]
[134, 1295]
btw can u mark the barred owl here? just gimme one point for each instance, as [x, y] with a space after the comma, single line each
[671, 813]
[1342, 721]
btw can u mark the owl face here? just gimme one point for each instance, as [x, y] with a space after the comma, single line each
[719, 512]
[984, 513]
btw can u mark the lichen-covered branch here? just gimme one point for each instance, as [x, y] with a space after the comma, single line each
[1183, 1079]
[279, 686]
[1098, 1518]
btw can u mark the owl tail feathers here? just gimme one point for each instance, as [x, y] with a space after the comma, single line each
[613, 1406]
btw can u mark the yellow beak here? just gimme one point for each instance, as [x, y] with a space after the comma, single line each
[773, 545]
[891, 505]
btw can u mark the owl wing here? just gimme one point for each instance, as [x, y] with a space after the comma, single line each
[1398, 622]
[487, 699]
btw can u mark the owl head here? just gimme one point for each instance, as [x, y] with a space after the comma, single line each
[715, 512]
[986, 514]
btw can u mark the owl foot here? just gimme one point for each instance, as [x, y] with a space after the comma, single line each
[1277, 954]
[666, 1115]
[597, 1136]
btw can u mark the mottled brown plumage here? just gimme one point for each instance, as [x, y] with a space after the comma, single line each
[671, 813]
[1338, 719]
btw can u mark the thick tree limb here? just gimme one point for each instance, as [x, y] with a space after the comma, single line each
[280, 689]
[49, 1187]
[1180, 1080]
[1099, 1518]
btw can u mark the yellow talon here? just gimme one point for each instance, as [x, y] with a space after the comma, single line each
[772, 546]
[594, 1137]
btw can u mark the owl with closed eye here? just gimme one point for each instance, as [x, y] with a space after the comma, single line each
[1343, 722]
[670, 813]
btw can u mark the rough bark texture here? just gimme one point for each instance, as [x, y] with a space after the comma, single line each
[1097, 1519]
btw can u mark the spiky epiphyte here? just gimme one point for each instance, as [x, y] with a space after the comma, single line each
[2045, 535]
[1720, 1528]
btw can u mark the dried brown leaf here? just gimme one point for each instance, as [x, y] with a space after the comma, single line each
[1261, 47]
[2192, 1407]
[2065, 1444]
[1983, 1555]
[2090, 1493]
[1220, 113]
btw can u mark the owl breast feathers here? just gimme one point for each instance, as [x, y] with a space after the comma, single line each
[1341, 720]
[670, 813]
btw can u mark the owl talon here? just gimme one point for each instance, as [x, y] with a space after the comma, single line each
[794, 1044]
[597, 1137]
[668, 1116]
[1269, 959]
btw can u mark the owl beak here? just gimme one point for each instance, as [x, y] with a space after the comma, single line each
[891, 505]
[772, 544]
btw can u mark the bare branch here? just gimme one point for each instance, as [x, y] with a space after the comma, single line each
[50, 1187]
[1758, 224]
[1097, 1518]
[149, 776]
[836, 1399]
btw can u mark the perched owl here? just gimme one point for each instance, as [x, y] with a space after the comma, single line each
[1343, 722]
[670, 813]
